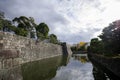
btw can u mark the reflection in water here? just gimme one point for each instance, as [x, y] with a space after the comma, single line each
[59, 68]
[42, 70]
[82, 59]
[75, 70]
[99, 74]
[62, 68]
[102, 73]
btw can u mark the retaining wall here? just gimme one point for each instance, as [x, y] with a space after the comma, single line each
[15, 50]
[112, 64]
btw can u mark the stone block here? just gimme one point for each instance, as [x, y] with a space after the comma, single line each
[7, 63]
[1, 45]
[9, 53]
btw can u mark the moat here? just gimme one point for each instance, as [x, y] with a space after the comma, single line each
[63, 68]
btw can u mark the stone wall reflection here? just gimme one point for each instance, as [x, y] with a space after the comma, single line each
[42, 70]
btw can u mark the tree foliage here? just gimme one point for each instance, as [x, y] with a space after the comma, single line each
[21, 31]
[2, 15]
[81, 46]
[27, 24]
[53, 38]
[110, 40]
[96, 46]
[111, 37]
[27, 27]
[1, 20]
[74, 48]
[42, 30]
[5, 25]
[41, 36]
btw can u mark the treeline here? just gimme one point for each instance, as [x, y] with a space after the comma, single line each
[109, 41]
[27, 27]
[82, 46]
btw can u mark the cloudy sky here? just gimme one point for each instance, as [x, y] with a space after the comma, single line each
[71, 20]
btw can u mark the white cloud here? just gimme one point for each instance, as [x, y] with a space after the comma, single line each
[71, 20]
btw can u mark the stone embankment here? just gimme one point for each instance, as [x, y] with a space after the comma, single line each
[16, 50]
[111, 64]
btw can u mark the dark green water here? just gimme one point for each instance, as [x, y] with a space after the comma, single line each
[62, 68]
[42, 70]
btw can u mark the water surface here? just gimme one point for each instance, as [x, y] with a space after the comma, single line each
[75, 70]
[77, 67]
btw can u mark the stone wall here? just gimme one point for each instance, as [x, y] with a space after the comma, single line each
[15, 50]
[66, 49]
[69, 49]
[112, 64]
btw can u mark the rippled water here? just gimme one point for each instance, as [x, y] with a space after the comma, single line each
[75, 70]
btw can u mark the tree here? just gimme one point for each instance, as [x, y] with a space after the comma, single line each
[96, 46]
[40, 36]
[81, 46]
[21, 31]
[111, 37]
[2, 15]
[42, 31]
[53, 38]
[1, 20]
[27, 25]
[73, 48]
[5, 25]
